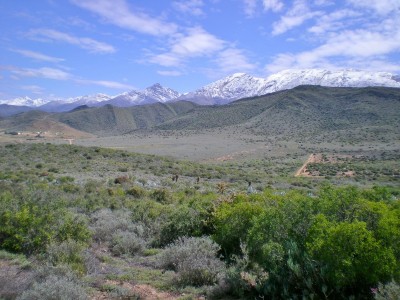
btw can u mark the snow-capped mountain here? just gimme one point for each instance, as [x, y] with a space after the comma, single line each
[153, 94]
[241, 85]
[25, 101]
[160, 93]
[71, 103]
[89, 99]
[236, 86]
[233, 87]
[341, 78]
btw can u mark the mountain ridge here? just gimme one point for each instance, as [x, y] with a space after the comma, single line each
[225, 90]
[304, 110]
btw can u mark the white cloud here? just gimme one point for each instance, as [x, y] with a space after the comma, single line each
[323, 2]
[233, 60]
[274, 5]
[38, 56]
[296, 16]
[35, 89]
[352, 48]
[192, 7]
[106, 83]
[83, 42]
[196, 43]
[56, 74]
[250, 7]
[169, 73]
[166, 60]
[334, 21]
[48, 73]
[382, 7]
[119, 13]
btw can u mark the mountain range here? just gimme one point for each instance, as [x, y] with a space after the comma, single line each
[304, 111]
[234, 87]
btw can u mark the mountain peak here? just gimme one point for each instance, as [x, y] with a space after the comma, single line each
[230, 88]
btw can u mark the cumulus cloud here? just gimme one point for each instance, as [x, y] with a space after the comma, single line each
[296, 16]
[274, 5]
[195, 43]
[233, 60]
[382, 7]
[334, 21]
[119, 13]
[359, 48]
[250, 6]
[192, 7]
[83, 42]
[38, 56]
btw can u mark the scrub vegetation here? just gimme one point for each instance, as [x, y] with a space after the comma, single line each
[88, 222]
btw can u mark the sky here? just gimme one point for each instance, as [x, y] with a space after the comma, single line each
[68, 48]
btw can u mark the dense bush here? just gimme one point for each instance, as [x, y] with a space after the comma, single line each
[128, 243]
[194, 259]
[338, 243]
[69, 252]
[30, 228]
[105, 222]
[54, 287]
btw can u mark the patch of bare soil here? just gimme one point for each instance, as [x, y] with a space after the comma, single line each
[144, 291]
[324, 159]
[303, 170]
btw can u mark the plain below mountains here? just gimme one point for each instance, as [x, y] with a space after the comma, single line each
[301, 111]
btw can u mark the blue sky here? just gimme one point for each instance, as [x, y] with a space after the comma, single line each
[67, 48]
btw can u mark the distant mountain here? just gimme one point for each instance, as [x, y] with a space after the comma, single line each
[155, 93]
[9, 110]
[233, 87]
[310, 111]
[316, 112]
[236, 86]
[103, 121]
[71, 103]
[25, 101]
[241, 85]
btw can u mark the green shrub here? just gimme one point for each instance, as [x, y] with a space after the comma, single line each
[55, 287]
[350, 254]
[232, 222]
[68, 252]
[105, 222]
[181, 221]
[162, 196]
[194, 259]
[127, 243]
[136, 192]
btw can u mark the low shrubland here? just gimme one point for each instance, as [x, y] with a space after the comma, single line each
[328, 243]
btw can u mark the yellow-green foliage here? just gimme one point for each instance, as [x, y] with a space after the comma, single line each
[337, 243]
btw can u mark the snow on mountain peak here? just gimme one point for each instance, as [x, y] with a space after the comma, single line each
[25, 101]
[160, 93]
[230, 88]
